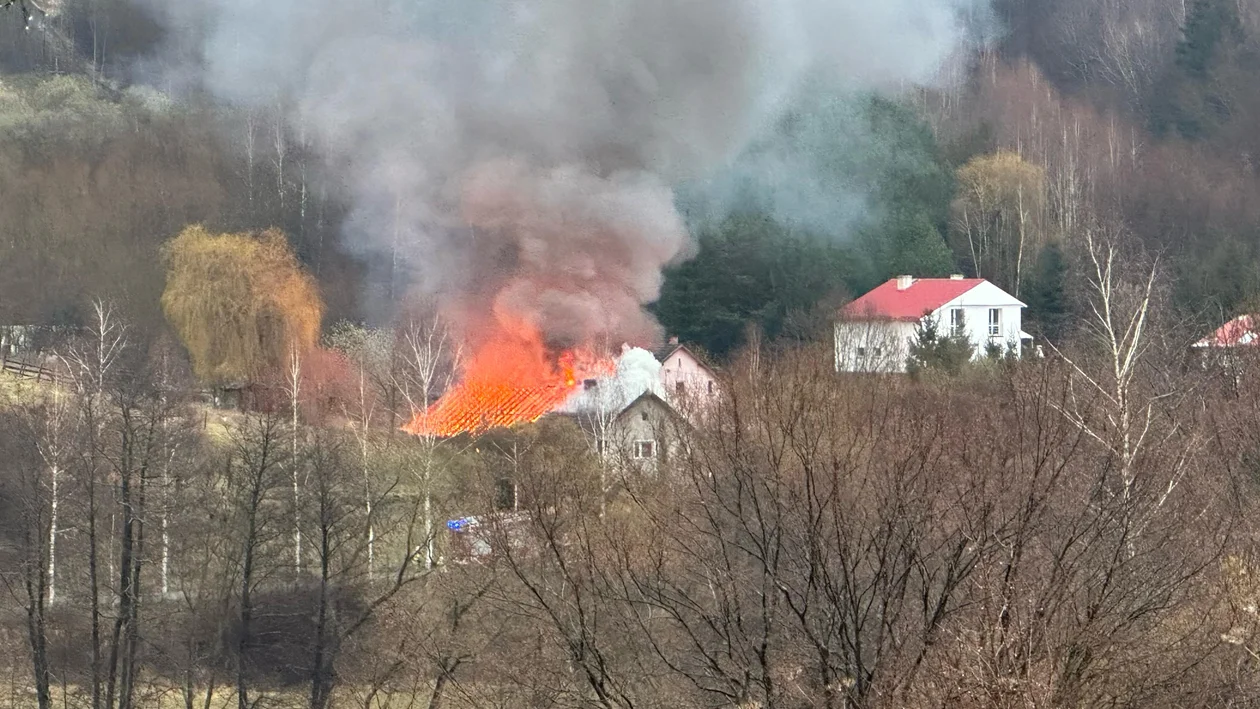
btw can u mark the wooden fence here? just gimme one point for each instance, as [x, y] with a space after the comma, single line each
[29, 370]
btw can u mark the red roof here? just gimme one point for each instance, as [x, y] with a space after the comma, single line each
[923, 296]
[1241, 331]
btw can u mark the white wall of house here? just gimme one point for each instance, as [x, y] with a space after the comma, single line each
[686, 377]
[872, 346]
[640, 437]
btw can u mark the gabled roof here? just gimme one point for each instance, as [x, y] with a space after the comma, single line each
[593, 422]
[650, 397]
[666, 351]
[1239, 332]
[922, 296]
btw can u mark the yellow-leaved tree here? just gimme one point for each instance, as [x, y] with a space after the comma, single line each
[241, 303]
[999, 216]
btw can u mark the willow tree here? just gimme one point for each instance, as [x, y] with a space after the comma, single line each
[241, 303]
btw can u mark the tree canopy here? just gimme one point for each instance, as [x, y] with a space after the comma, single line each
[239, 302]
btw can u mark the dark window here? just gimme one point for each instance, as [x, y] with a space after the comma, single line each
[680, 387]
[589, 384]
[644, 449]
[957, 321]
[505, 494]
[710, 387]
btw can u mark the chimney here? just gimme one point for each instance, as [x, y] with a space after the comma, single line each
[903, 282]
[673, 340]
[955, 276]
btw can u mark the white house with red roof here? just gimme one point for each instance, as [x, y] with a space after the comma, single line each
[874, 332]
[1239, 332]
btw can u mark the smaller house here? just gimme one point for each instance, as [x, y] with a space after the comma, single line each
[683, 374]
[1239, 332]
[874, 332]
[640, 437]
[1231, 346]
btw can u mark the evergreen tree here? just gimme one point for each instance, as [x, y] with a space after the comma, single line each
[1212, 27]
[1194, 100]
[930, 351]
[749, 270]
[1046, 295]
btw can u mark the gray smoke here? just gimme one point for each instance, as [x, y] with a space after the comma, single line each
[522, 153]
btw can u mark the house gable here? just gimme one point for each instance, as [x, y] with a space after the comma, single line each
[983, 295]
[683, 373]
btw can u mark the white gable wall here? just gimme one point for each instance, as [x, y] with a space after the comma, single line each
[685, 377]
[975, 305]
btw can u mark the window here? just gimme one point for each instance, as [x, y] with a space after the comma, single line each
[710, 387]
[680, 387]
[957, 321]
[644, 449]
[505, 494]
[589, 384]
[995, 322]
[861, 351]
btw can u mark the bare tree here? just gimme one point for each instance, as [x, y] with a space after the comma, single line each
[1114, 405]
[90, 363]
[429, 364]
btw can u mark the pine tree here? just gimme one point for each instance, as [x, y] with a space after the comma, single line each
[929, 351]
[1193, 100]
[1046, 296]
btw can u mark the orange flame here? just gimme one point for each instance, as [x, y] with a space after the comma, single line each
[511, 378]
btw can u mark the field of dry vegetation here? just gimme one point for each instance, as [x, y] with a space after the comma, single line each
[1075, 531]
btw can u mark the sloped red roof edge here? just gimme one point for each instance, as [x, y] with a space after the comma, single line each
[925, 295]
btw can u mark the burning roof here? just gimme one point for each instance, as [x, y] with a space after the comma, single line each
[511, 378]
[479, 407]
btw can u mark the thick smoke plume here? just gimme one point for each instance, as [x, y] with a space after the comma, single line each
[520, 155]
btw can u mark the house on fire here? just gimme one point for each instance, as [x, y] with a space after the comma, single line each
[630, 425]
[874, 332]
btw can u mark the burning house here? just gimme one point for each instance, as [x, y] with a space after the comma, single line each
[517, 382]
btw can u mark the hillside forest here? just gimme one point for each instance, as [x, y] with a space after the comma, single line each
[207, 499]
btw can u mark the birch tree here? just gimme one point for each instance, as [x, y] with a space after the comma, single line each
[430, 362]
[369, 350]
[90, 363]
[1119, 398]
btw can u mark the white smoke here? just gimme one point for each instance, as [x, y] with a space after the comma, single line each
[637, 373]
[525, 150]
